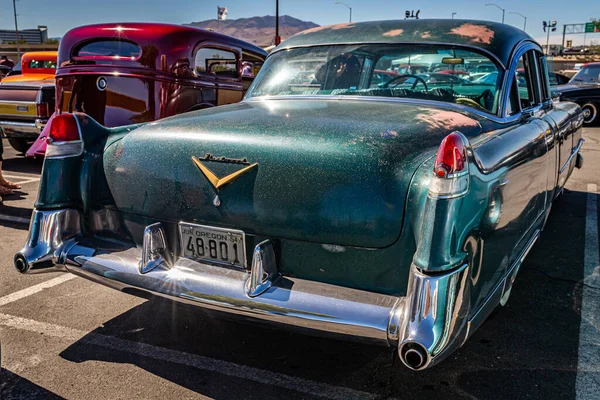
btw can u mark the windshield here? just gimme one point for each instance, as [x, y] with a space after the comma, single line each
[430, 72]
[588, 74]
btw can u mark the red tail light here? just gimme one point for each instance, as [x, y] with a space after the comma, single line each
[451, 156]
[42, 110]
[64, 128]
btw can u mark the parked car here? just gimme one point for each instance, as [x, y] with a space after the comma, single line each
[127, 73]
[584, 89]
[27, 98]
[390, 215]
[36, 66]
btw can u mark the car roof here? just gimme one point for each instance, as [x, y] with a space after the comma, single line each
[497, 39]
[40, 55]
[167, 38]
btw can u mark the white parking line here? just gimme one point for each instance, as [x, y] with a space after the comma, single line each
[191, 360]
[21, 179]
[10, 218]
[588, 384]
[35, 289]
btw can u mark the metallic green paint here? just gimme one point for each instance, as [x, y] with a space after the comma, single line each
[328, 171]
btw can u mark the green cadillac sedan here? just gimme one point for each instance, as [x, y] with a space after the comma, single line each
[369, 185]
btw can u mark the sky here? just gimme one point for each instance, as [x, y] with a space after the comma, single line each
[62, 15]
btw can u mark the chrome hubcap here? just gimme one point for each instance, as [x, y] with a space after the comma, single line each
[589, 113]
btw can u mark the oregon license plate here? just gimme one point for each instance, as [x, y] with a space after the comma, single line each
[215, 245]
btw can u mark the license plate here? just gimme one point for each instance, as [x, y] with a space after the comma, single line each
[215, 245]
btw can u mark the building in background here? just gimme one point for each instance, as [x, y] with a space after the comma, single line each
[30, 36]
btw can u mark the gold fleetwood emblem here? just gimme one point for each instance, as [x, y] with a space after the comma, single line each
[214, 179]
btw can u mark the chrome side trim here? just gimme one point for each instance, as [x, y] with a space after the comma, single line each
[573, 154]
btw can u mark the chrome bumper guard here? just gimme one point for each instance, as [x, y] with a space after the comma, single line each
[426, 325]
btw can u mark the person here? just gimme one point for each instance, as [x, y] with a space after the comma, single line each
[4, 60]
[6, 187]
[344, 69]
[247, 69]
[347, 72]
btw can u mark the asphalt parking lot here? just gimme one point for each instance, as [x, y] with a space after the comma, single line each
[65, 337]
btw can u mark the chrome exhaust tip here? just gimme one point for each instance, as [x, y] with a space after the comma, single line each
[414, 356]
[21, 263]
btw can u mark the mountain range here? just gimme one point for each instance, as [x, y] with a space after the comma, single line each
[257, 30]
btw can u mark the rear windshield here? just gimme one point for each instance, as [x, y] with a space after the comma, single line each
[588, 74]
[429, 72]
[42, 64]
[110, 48]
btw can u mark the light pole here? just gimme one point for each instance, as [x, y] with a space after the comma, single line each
[453, 14]
[17, 31]
[277, 37]
[349, 8]
[524, 19]
[497, 6]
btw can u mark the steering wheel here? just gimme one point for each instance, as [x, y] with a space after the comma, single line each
[474, 101]
[470, 102]
[417, 78]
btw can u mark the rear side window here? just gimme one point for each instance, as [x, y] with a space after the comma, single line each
[211, 61]
[110, 48]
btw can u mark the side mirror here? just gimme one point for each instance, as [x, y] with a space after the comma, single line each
[555, 95]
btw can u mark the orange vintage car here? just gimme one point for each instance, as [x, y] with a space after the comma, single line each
[35, 66]
[27, 99]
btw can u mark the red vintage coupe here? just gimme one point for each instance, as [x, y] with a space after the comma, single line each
[122, 74]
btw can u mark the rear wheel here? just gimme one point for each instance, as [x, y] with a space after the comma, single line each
[20, 145]
[590, 113]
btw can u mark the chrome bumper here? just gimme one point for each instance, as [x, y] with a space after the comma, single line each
[426, 325]
[15, 129]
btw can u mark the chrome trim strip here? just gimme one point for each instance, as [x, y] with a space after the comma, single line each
[573, 154]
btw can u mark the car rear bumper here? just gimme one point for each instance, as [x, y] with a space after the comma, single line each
[22, 130]
[429, 322]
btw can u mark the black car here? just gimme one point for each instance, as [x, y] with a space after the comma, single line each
[584, 89]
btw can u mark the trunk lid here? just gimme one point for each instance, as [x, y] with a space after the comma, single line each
[328, 171]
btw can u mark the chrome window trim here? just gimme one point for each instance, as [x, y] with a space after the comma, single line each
[520, 49]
